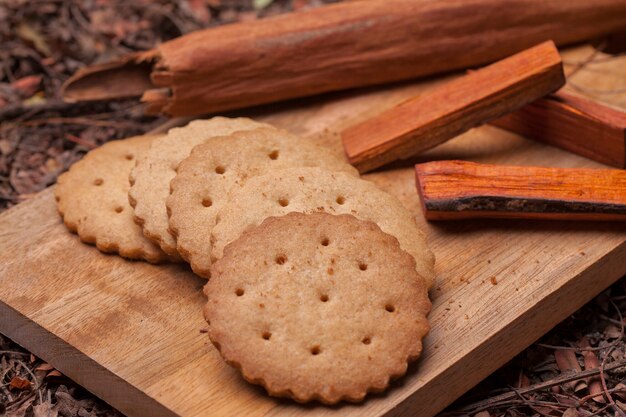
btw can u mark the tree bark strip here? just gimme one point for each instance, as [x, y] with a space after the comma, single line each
[460, 190]
[340, 46]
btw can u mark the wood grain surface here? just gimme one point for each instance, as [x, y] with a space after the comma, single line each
[578, 124]
[451, 190]
[130, 332]
[427, 120]
[340, 46]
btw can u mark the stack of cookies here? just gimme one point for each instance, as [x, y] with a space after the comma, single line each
[318, 280]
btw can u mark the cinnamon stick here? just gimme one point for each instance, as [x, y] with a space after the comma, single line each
[339, 46]
[427, 120]
[574, 123]
[460, 190]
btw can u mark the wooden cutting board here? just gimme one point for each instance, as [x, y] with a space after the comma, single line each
[131, 332]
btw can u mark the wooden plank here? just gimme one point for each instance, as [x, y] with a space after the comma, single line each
[452, 190]
[112, 324]
[577, 124]
[428, 120]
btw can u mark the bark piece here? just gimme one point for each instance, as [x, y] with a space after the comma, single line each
[336, 47]
[461, 190]
[568, 363]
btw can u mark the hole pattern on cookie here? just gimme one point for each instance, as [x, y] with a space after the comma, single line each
[283, 202]
[220, 169]
[98, 181]
[302, 285]
[207, 202]
[239, 292]
[273, 155]
[340, 200]
[266, 335]
[280, 259]
[390, 308]
[129, 157]
[119, 209]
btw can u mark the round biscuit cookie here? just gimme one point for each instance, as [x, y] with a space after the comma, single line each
[317, 307]
[92, 198]
[309, 190]
[205, 179]
[150, 179]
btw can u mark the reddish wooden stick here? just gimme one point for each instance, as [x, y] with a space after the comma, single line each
[576, 124]
[455, 107]
[460, 190]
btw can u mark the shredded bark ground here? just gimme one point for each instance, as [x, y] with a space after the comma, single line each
[579, 368]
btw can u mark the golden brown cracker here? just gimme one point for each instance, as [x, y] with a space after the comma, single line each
[310, 190]
[150, 179]
[205, 179]
[92, 198]
[317, 307]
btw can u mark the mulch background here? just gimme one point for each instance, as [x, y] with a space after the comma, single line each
[45, 41]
